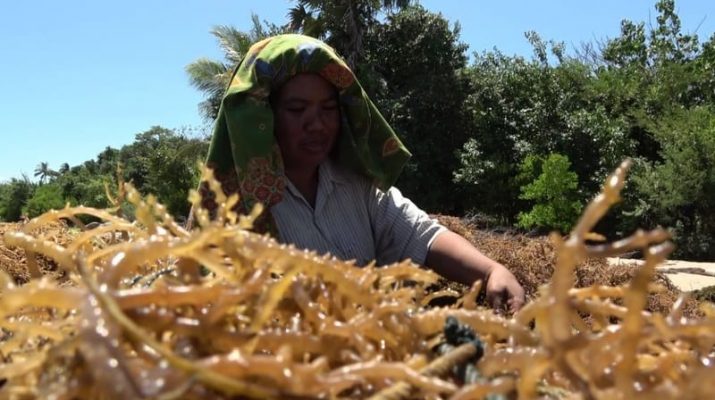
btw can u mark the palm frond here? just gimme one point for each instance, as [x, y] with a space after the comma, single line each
[209, 76]
[212, 78]
[257, 31]
[209, 108]
[316, 27]
[233, 42]
[296, 17]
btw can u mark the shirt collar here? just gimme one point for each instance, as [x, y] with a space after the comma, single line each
[329, 174]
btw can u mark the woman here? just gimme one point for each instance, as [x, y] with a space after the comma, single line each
[297, 133]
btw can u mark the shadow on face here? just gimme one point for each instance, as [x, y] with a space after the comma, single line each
[306, 120]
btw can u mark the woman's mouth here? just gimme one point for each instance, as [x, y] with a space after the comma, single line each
[314, 146]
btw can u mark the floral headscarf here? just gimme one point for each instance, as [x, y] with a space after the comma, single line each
[244, 153]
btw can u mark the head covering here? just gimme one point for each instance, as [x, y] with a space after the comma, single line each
[244, 154]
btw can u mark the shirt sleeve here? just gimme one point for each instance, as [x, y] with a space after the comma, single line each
[401, 229]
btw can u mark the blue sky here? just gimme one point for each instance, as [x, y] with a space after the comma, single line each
[77, 76]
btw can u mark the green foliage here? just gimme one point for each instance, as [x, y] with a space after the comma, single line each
[479, 133]
[476, 130]
[660, 82]
[628, 49]
[212, 77]
[88, 190]
[13, 197]
[414, 65]
[43, 171]
[524, 107]
[555, 191]
[160, 161]
[678, 191]
[598, 111]
[473, 165]
[170, 162]
[663, 45]
[46, 197]
[85, 184]
[341, 23]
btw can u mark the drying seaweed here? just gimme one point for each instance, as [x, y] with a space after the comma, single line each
[125, 310]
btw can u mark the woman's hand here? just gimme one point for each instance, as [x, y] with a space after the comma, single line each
[503, 290]
[453, 257]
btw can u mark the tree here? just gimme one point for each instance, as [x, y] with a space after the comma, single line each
[13, 198]
[45, 198]
[667, 43]
[678, 191]
[341, 23]
[646, 73]
[64, 168]
[212, 77]
[414, 71]
[164, 163]
[84, 188]
[44, 171]
[629, 49]
[660, 82]
[522, 108]
[107, 161]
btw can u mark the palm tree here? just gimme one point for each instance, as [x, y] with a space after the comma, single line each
[43, 170]
[342, 23]
[212, 77]
[64, 168]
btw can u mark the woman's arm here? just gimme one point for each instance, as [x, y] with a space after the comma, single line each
[401, 230]
[453, 257]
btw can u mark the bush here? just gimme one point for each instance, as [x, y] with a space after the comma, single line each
[46, 197]
[555, 192]
[13, 197]
[679, 190]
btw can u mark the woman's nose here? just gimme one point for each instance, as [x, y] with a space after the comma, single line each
[314, 119]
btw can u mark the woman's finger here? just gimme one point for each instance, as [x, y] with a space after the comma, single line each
[496, 300]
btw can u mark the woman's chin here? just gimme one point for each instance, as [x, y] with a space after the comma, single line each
[308, 161]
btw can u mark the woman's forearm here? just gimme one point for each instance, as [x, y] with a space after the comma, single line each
[454, 257]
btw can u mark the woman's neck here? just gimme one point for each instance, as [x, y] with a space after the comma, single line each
[306, 181]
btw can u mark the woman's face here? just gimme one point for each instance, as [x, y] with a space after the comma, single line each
[307, 121]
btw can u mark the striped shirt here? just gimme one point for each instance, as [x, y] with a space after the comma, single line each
[354, 220]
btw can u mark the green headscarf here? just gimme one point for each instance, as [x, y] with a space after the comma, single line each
[244, 153]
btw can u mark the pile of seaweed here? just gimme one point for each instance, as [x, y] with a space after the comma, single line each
[149, 309]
